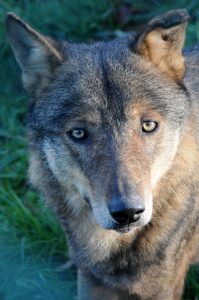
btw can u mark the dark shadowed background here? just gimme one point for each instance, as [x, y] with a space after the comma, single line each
[33, 251]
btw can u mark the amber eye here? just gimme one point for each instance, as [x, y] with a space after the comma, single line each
[149, 126]
[78, 134]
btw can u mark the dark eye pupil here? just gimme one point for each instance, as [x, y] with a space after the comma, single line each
[149, 124]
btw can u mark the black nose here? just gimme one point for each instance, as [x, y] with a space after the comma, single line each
[129, 215]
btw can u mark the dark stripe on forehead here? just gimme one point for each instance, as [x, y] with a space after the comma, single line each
[113, 94]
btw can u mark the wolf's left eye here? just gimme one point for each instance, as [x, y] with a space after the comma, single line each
[149, 126]
[78, 134]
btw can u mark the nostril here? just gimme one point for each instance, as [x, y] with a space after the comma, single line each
[139, 210]
[121, 217]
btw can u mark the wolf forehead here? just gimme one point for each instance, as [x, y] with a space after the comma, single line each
[104, 81]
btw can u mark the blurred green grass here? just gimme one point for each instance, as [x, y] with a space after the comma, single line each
[32, 243]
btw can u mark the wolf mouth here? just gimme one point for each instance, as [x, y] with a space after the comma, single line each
[124, 229]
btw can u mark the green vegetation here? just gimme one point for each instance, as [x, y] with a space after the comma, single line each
[32, 244]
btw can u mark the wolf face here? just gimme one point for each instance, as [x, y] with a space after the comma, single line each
[102, 118]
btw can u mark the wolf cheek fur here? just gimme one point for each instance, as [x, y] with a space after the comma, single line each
[126, 195]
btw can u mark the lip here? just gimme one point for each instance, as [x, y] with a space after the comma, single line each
[123, 229]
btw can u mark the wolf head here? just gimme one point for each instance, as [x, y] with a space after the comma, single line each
[105, 120]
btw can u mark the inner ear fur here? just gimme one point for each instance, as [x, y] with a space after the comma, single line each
[161, 42]
[37, 55]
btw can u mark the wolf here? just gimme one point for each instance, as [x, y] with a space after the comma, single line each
[114, 150]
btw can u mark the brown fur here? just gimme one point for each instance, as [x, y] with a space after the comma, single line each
[168, 59]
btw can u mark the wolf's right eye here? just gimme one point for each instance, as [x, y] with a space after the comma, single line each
[78, 134]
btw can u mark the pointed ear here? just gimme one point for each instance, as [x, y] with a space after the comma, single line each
[161, 41]
[38, 56]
